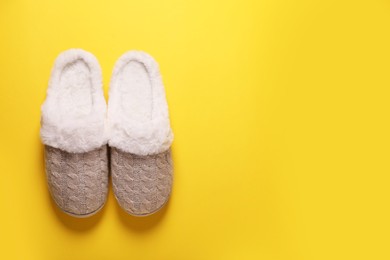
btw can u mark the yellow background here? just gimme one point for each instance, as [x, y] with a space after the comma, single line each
[280, 111]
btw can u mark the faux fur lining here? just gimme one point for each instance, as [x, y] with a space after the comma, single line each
[138, 115]
[74, 112]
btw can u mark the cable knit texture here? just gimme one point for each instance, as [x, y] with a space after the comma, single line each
[142, 184]
[138, 115]
[78, 182]
[74, 111]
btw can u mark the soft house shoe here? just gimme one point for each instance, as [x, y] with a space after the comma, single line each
[140, 135]
[73, 131]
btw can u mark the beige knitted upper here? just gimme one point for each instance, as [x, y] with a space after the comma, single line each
[78, 182]
[142, 184]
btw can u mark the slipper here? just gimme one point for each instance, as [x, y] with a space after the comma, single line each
[73, 131]
[140, 135]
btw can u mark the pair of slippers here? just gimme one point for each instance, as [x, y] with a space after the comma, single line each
[85, 139]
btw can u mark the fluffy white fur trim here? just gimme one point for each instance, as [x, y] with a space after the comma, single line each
[138, 116]
[74, 112]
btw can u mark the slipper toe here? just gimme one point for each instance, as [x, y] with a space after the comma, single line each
[142, 183]
[78, 182]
